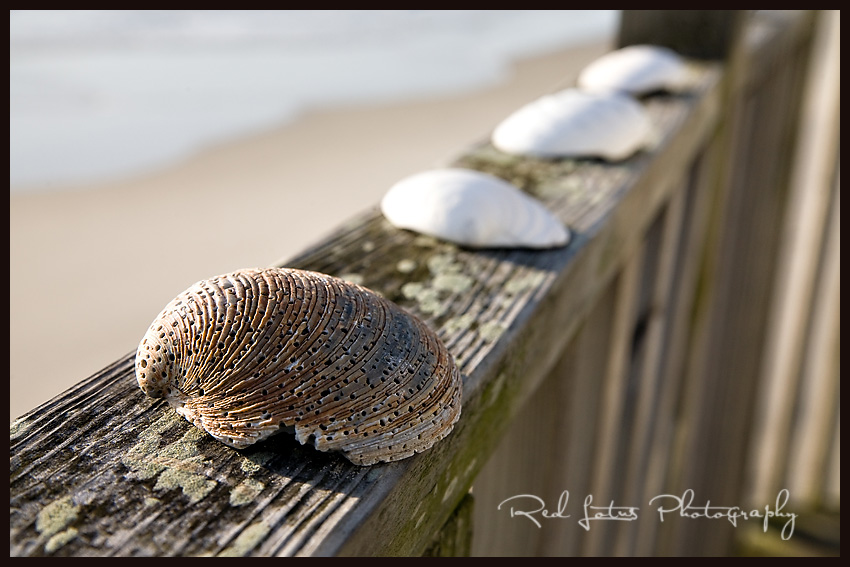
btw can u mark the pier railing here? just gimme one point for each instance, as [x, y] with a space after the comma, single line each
[686, 341]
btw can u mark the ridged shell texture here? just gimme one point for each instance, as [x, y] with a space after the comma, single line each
[243, 354]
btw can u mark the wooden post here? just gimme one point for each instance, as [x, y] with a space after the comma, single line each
[757, 135]
[702, 34]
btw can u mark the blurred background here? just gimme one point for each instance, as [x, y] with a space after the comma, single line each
[151, 149]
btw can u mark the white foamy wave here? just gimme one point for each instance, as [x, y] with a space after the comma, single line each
[103, 94]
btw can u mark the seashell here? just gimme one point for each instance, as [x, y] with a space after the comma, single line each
[244, 354]
[637, 70]
[473, 209]
[574, 123]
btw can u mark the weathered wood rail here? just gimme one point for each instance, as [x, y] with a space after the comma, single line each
[626, 365]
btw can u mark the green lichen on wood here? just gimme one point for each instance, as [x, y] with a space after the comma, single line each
[405, 265]
[443, 277]
[427, 298]
[246, 492]
[491, 331]
[195, 486]
[59, 540]
[57, 516]
[18, 428]
[570, 186]
[179, 464]
[247, 540]
[256, 461]
[443, 263]
[453, 283]
[524, 172]
[426, 241]
[459, 324]
[54, 522]
[525, 283]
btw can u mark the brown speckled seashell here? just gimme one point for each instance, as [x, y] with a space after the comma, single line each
[245, 354]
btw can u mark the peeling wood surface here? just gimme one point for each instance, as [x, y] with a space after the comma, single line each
[103, 470]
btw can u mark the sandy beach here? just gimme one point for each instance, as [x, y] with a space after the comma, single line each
[92, 266]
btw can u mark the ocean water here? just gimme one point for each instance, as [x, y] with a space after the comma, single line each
[98, 95]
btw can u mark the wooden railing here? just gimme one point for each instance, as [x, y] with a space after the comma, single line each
[627, 365]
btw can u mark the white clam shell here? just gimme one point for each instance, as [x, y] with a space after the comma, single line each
[472, 209]
[637, 70]
[574, 123]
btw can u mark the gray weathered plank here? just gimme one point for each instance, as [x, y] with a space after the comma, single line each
[707, 34]
[804, 238]
[724, 368]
